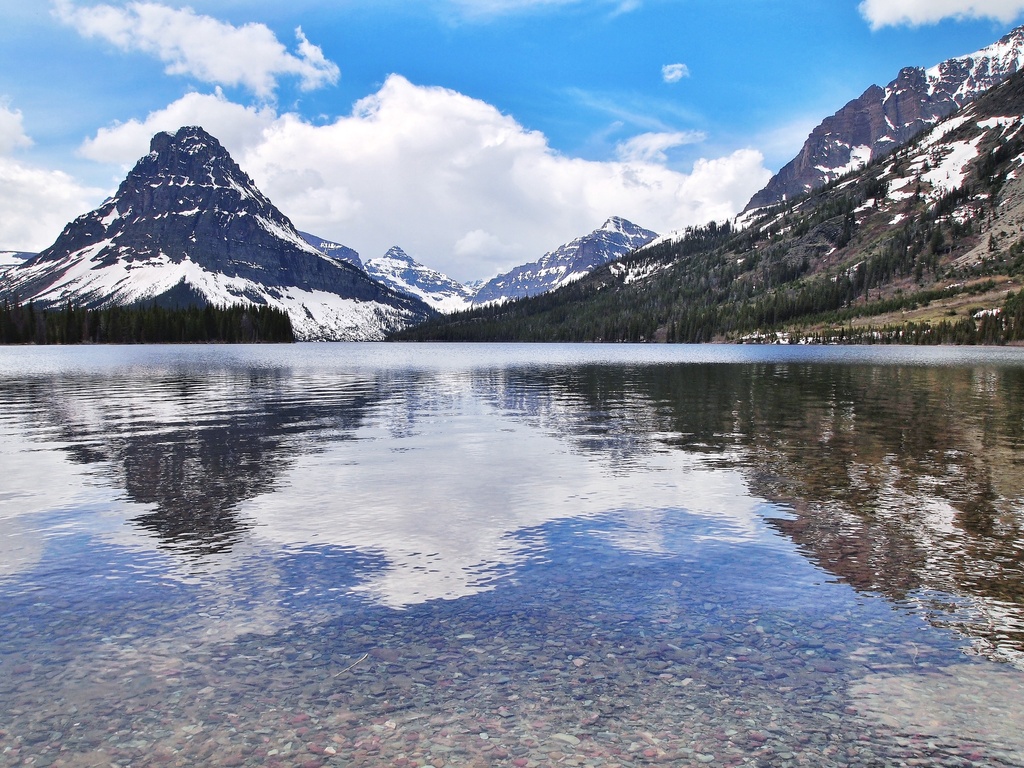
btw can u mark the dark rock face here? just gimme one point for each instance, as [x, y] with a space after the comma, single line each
[882, 119]
[567, 263]
[188, 221]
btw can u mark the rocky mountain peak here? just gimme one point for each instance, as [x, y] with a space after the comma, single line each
[882, 119]
[571, 261]
[401, 272]
[188, 226]
[397, 254]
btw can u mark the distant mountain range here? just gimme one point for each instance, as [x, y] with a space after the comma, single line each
[911, 190]
[188, 226]
[400, 272]
[882, 119]
[924, 245]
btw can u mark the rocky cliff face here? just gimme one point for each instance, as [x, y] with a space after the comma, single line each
[188, 226]
[882, 119]
[614, 239]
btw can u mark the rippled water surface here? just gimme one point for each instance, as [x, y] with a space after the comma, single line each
[408, 555]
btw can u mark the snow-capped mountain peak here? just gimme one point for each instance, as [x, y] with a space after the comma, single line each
[882, 119]
[188, 226]
[612, 240]
[400, 272]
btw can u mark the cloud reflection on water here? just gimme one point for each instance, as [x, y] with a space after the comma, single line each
[898, 479]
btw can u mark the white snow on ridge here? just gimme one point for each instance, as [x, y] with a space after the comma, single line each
[315, 315]
[399, 271]
[289, 236]
[10, 259]
[859, 157]
[110, 218]
[1002, 57]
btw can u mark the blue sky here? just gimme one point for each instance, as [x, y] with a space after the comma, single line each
[476, 134]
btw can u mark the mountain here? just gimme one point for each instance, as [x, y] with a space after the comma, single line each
[10, 259]
[188, 226]
[336, 251]
[400, 272]
[615, 238]
[925, 245]
[882, 119]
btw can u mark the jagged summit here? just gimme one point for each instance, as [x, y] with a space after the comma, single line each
[399, 271]
[612, 240]
[617, 224]
[882, 119]
[188, 226]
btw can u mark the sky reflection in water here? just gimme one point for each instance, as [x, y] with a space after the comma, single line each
[787, 531]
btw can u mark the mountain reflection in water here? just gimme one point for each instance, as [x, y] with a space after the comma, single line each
[415, 555]
[899, 479]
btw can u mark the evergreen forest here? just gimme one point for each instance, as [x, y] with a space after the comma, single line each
[143, 324]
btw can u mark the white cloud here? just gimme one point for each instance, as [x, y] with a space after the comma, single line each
[12, 131]
[236, 127]
[479, 244]
[673, 73]
[651, 147]
[460, 186]
[249, 56]
[883, 13]
[36, 203]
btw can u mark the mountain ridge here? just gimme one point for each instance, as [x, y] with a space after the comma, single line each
[883, 119]
[924, 245]
[399, 271]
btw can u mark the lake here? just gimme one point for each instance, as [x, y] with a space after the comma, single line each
[511, 555]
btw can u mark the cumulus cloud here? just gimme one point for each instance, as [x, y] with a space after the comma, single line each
[883, 13]
[249, 56]
[12, 131]
[459, 185]
[651, 147]
[233, 124]
[673, 73]
[36, 203]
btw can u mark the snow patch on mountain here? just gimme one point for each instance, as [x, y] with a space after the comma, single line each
[953, 167]
[10, 259]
